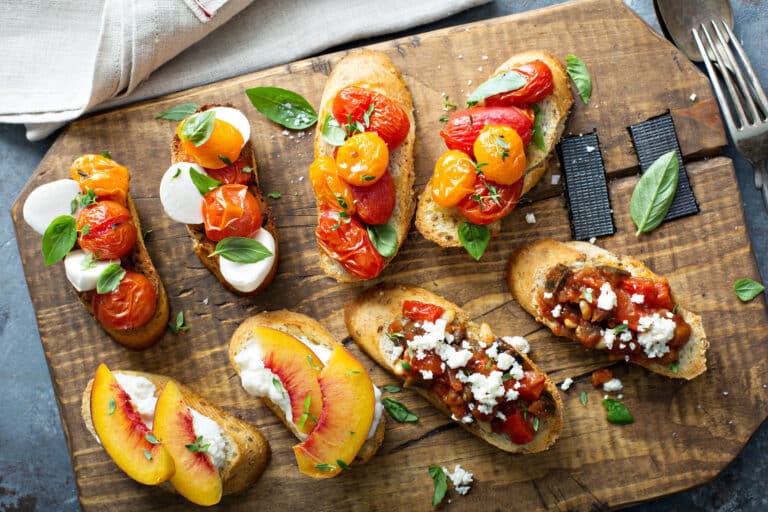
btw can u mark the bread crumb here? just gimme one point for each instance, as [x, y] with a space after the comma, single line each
[301, 178]
[725, 393]
[530, 218]
[480, 68]
[484, 57]
[469, 82]
[692, 97]
[460, 56]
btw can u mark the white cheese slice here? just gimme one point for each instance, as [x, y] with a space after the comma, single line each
[49, 201]
[212, 436]
[235, 118]
[246, 277]
[82, 278]
[181, 200]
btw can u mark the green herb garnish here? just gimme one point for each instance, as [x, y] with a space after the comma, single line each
[151, 439]
[179, 325]
[617, 412]
[398, 411]
[654, 193]
[283, 107]
[107, 155]
[111, 406]
[474, 238]
[505, 82]
[583, 398]
[274, 195]
[110, 278]
[392, 388]
[241, 250]
[747, 289]
[202, 182]
[178, 112]
[384, 239]
[197, 128]
[441, 484]
[579, 74]
[226, 160]
[198, 445]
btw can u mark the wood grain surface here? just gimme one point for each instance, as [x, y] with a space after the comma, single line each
[685, 431]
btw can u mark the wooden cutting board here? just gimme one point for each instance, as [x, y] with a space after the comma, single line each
[685, 432]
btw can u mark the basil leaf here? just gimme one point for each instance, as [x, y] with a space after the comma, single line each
[178, 112]
[474, 238]
[384, 239]
[654, 193]
[617, 412]
[203, 182]
[747, 289]
[332, 131]
[538, 134]
[241, 250]
[505, 82]
[441, 484]
[675, 367]
[107, 155]
[583, 398]
[197, 128]
[389, 388]
[59, 238]
[179, 325]
[282, 106]
[325, 467]
[398, 411]
[342, 464]
[110, 278]
[579, 73]
[274, 195]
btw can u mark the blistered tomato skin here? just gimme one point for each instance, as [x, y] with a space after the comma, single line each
[363, 159]
[421, 311]
[490, 201]
[329, 189]
[500, 154]
[375, 203]
[540, 85]
[233, 174]
[108, 179]
[454, 178]
[230, 210]
[224, 143]
[346, 240]
[106, 229]
[131, 305]
[386, 119]
[463, 127]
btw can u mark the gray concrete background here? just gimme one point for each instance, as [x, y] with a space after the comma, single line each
[35, 468]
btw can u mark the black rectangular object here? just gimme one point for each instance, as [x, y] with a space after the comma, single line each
[654, 138]
[589, 206]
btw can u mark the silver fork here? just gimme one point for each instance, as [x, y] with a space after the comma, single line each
[750, 135]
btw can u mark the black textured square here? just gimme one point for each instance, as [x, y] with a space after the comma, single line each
[652, 139]
[589, 207]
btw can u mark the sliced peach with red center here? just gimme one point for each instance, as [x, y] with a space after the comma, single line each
[348, 411]
[196, 478]
[125, 437]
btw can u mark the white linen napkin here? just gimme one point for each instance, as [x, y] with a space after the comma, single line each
[63, 58]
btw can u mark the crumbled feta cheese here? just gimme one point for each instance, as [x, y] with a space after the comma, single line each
[592, 240]
[286, 133]
[512, 394]
[692, 97]
[548, 295]
[433, 335]
[501, 416]
[613, 385]
[485, 388]
[637, 298]
[609, 336]
[653, 334]
[426, 374]
[625, 337]
[530, 218]
[590, 149]
[467, 419]
[620, 396]
[465, 344]
[556, 311]
[670, 314]
[461, 479]
[565, 386]
[555, 179]
[519, 343]
[493, 350]
[389, 348]
[506, 361]
[205, 301]
[458, 359]
[607, 299]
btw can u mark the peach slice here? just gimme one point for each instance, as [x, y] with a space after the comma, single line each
[196, 478]
[124, 435]
[348, 410]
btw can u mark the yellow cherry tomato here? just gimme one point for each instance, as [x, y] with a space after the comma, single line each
[362, 159]
[107, 178]
[330, 191]
[500, 154]
[454, 178]
[223, 145]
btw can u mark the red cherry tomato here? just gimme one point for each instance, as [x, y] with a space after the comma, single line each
[374, 204]
[106, 229]
[421, 311]
[531, 386]
[387, 119]
[230, 210]
[463, 127]
[539, 86]
[131, 305]
[518, 428]
[490, 201]
[232, 173]
[346, 240]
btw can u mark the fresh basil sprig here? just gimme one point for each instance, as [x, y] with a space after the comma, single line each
[654, 193]
[332, 131]
[747, 289]
[282, 106]
[110, 278]
[197, 128]
[579, 73]
[241, 250]
[617, 412]
[441, 484]
[178, 112]
[203, 182]
[474, 238]
[398, 411]
[505, 82]
[538, 134]
[384, 239]
[59, 238]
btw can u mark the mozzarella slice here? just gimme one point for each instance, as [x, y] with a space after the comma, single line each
[235, 118]
[84, 279]
[49, 201]
[181, 200]
[246, 277]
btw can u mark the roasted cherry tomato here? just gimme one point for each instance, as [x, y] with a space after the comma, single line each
[233, 173]
[108, 179]
[454, 178]
[225, 143]
[363, 159]
[518, 428]
[106, 229]
[500, 154]
[386, 119]
[601, 376]
[490, 201]
[330, 190]
[421, 311]
[131, 305]
[531, 386]
[346, 240]
[464, 126]
[230, 210]
[539, 86]
[375, 203]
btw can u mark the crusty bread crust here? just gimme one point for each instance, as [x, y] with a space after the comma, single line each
[440, 224]
[526, 275]
[202, 245]
[375, 71]
[297, 325]
[249, 451]
[370, 313]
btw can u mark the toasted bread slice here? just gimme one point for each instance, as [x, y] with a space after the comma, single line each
[375, 71]
[440, 224]
[367, 318]
[306, 328]
[248, 451]
[202, 245]
[526, 277]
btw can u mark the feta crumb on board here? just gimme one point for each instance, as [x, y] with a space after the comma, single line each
[613, 385]
[518, 343]
[566, 385]
[460, 478]
[592, 240]
[530, 218]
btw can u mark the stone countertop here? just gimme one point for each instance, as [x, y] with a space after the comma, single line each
[35, 468]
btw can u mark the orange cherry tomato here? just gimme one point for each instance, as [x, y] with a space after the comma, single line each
[374, 204]
[539, 86]
[454, 178]
[233, 173]
[131, 305]
[463, 127]
[108, 179]
[106, 229]
[490, 201]
[363, 159]
[387, 119]
[346, 240]
[225, 143]
[330, 191]
[500, 154]
[230, 210]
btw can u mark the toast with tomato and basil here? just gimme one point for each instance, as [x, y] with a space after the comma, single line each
[498, 149]
[611, 303]
[91, 222]
[362, 175]
[212, 186]
[481, 381]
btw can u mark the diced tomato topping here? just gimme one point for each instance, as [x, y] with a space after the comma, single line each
[421, 311]
[600, 377]
[518, 428]
[531, 386]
